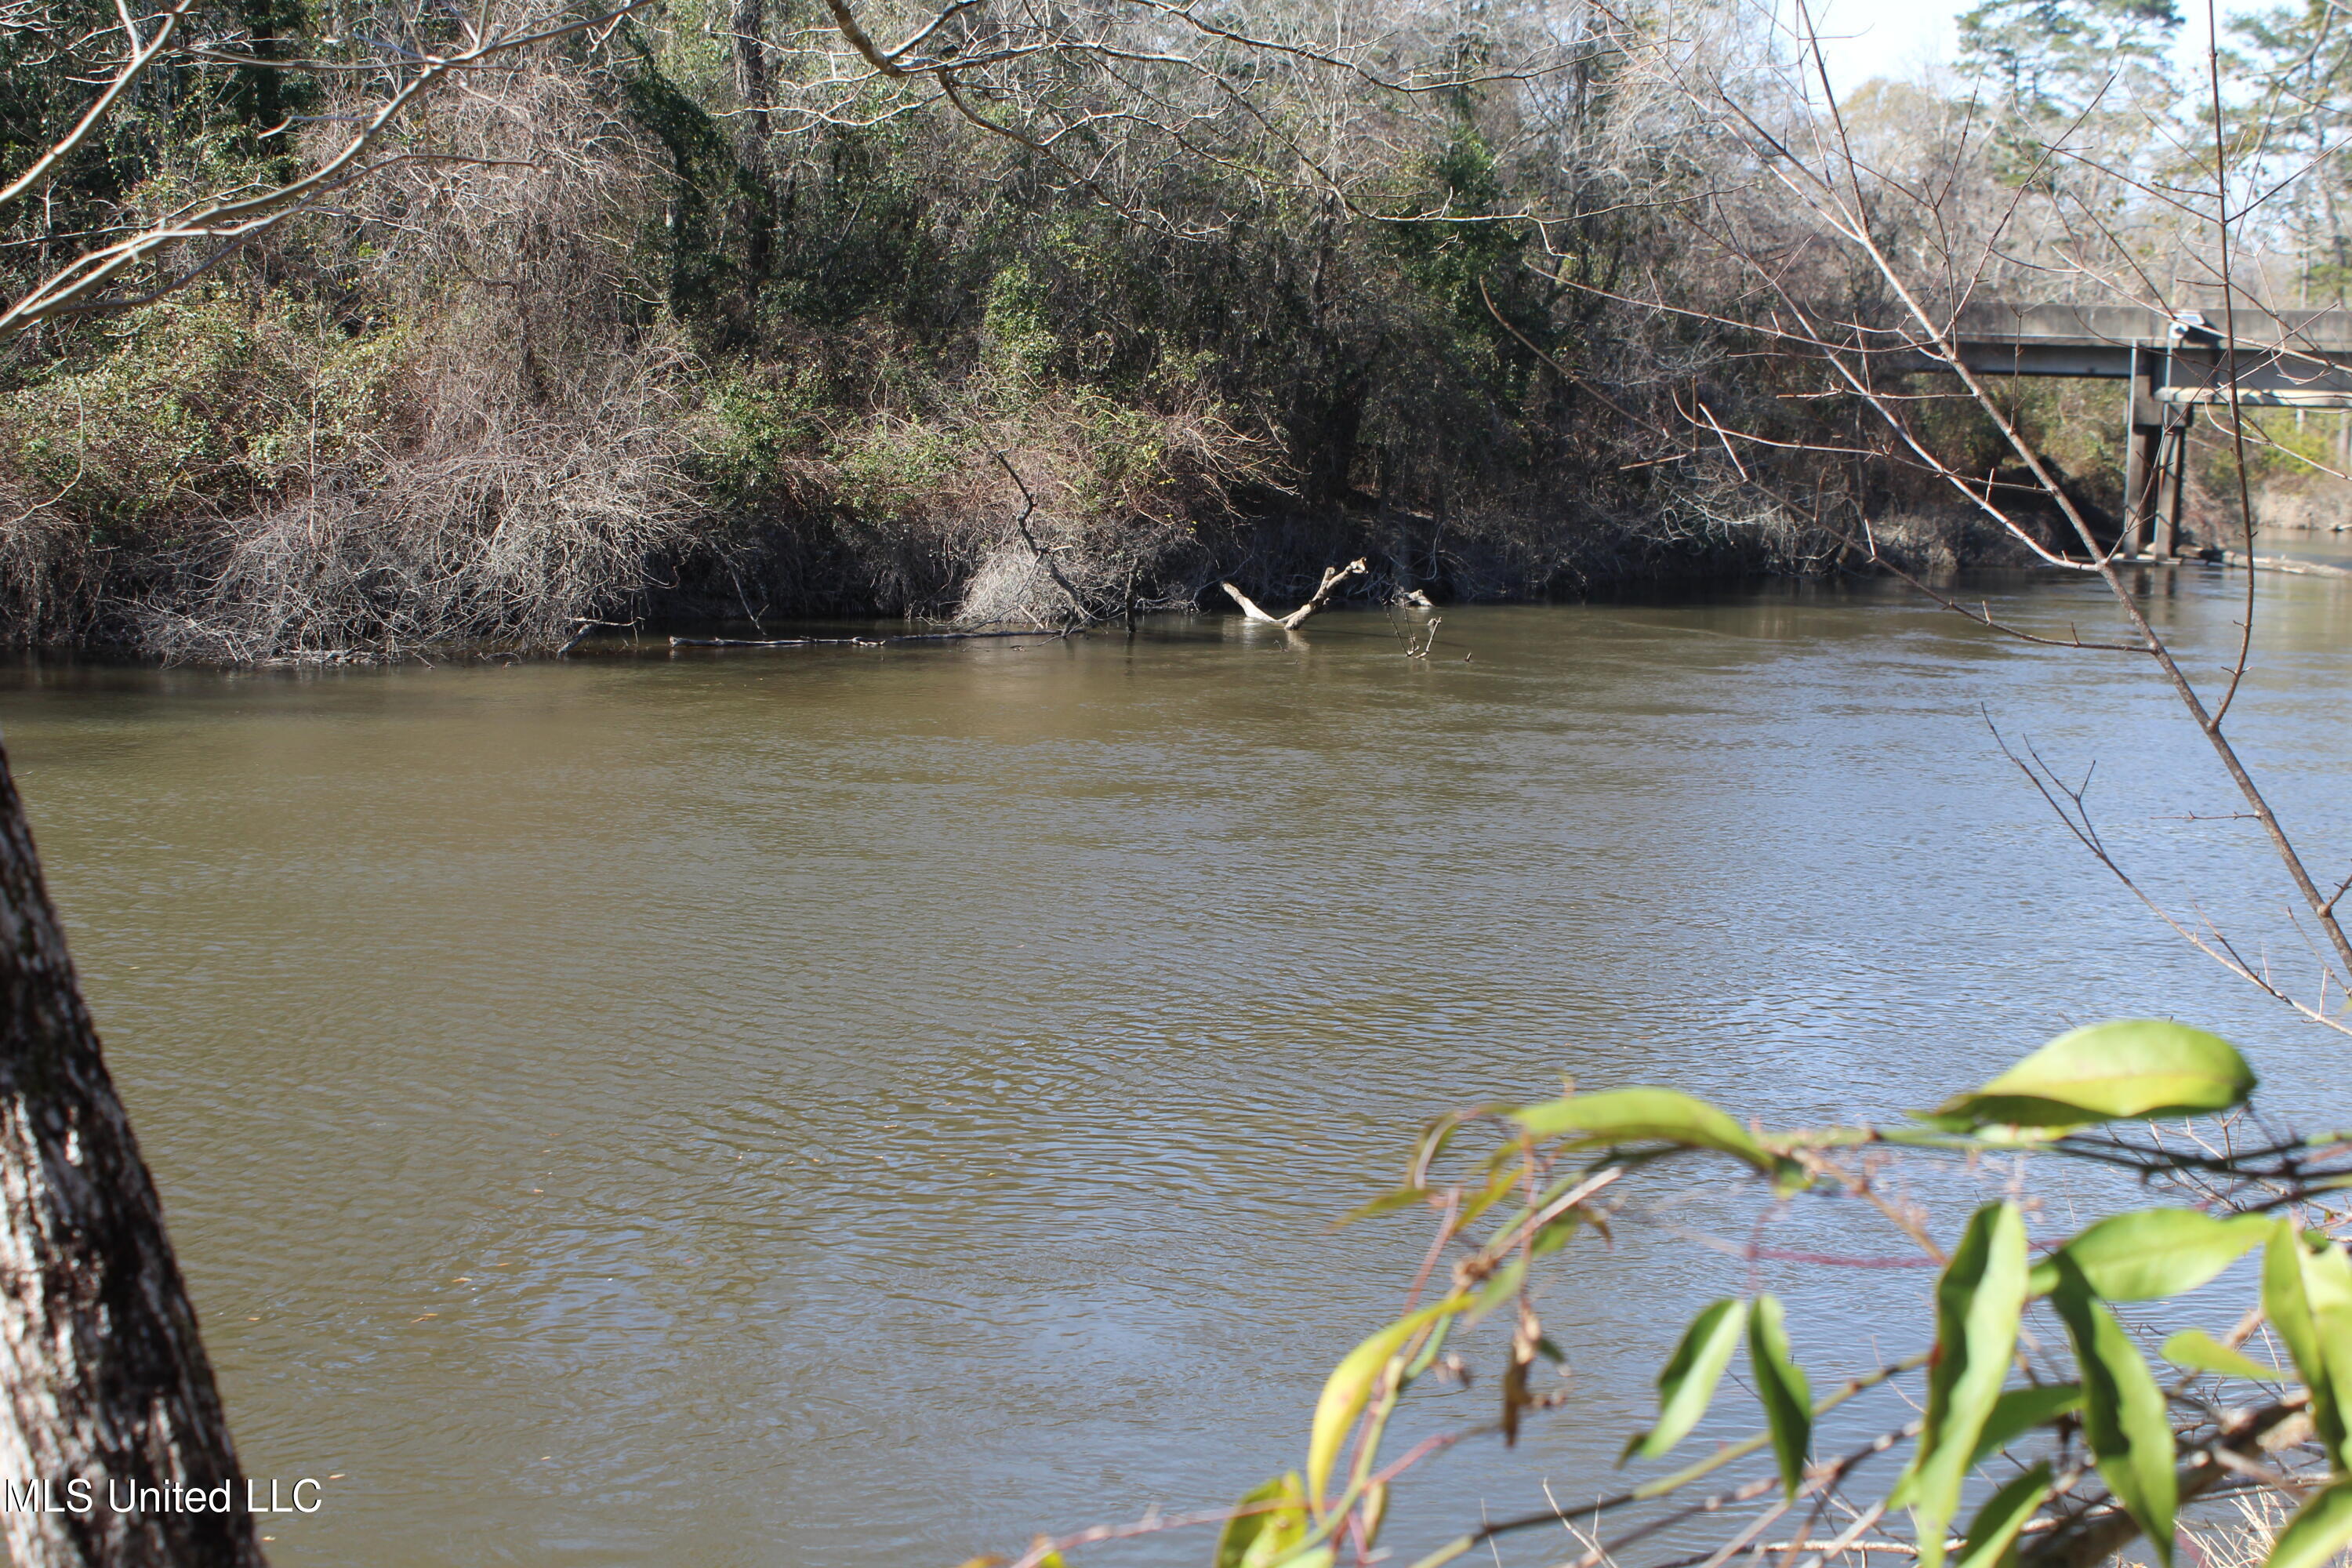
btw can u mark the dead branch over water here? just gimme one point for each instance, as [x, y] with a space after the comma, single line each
[1334, 577]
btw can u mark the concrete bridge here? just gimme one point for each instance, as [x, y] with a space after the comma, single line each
[2172, 365]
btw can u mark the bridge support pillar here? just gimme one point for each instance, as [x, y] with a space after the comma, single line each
[2144, 454]
[2173, 458]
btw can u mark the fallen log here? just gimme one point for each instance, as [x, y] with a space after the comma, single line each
[863, 642]
[1332, 577]
[2282, 563]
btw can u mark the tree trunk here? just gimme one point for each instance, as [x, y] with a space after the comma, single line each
[756, 211]
[750, 25]
[109, 1398]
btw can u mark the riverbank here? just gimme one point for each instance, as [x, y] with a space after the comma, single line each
[167, 608]
[597, 358]
[235, 489]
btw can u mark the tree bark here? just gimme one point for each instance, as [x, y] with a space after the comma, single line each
[102, 1370]
[750, 25]
[756, 212]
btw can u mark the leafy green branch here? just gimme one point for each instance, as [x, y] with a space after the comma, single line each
[2048, 1466]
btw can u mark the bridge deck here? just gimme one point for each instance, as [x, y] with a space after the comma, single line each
[2173, 364]
[2300, 358]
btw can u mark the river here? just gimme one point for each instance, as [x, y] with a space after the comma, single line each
[842, 1107]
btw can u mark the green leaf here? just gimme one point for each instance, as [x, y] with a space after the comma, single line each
[1686, 1386]
[2320, 1528]
[2124, 1418]
[1978, 1300]
[1992, 1535]
[1261, 1539]
[1499, 1185]
[1352, 1386]
[1501, 1285]
[2019, 1411]
[1549, 1237]
[1781, 1389]
[2135, 1067]
[2289, 1312]
[1642, 1116]
[1505, 1282]
[2194, 1349]
[2151, 1254]
[2307, 1296]
[1789, 1177]
[2327, 1285]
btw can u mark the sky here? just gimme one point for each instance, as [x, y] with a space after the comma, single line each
[1866, 39]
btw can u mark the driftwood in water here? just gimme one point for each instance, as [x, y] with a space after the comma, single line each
[860, 642]
[1332, 577]
[2282, 563]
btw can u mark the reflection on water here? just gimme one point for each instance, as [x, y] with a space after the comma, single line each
[854, 1109]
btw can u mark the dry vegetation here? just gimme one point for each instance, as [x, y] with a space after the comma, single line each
[1030, 315]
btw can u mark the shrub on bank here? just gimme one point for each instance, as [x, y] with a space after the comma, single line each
[590, 348]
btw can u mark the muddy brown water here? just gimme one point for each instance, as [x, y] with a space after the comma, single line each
[850, 1109]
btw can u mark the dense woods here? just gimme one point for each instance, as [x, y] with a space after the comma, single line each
[729, 311]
